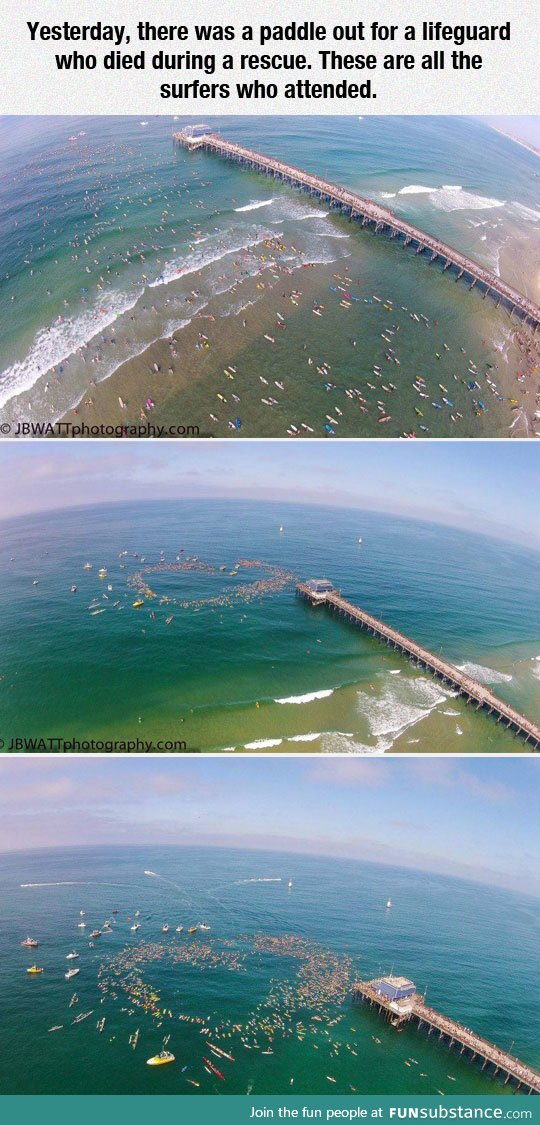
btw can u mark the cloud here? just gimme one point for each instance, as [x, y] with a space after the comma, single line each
[449, 773]
[363, 772]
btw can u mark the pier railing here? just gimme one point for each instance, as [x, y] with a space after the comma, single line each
[472, 690]
[455, 1034]
[367, 211]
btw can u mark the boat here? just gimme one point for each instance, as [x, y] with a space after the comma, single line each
[214, 1069]
[192, 930]
[83, 1016]
[101, 1024]
[34, 970]
[30, 943]
[102, 573]
[95, 933]
[389, 904]
[165, 928]
[289, 884]
[161, 1059]
[202, 926]
[73, 589]
[71, 973]
[88, 566]
[138, 604]
[134, 1039]
[71, 956]
[179, 929]
[135, 926]
[57, 1027]
[81, 925]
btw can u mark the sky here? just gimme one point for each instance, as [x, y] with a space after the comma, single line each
[524, 128]
[488, 486]
[474, 818]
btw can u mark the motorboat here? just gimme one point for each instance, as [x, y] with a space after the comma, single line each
[161, 1059]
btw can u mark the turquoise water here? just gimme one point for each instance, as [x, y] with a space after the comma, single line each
[472, 946]
[240, 665]
[111, 240]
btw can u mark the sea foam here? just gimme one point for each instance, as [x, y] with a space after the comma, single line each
[306, 698]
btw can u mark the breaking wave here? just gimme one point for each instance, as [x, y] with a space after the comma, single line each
[306, 698]
[484, 675]
[255, 206]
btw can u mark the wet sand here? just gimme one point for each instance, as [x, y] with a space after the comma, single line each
[170, 381]
[166, 385]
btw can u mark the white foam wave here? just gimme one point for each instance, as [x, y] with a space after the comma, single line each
[263, 743]
[255, 205]
[401, 705]
[452, 197]
[415, 189]
[304, 737]
[54, 345]
[306, 698]
[484, 675]
[527, 212]
[182, 267]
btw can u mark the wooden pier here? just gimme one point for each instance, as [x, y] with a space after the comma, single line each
[367, 212]
[454, 1035]
[471, 690]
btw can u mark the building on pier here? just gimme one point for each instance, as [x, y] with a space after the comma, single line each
[410, 1008]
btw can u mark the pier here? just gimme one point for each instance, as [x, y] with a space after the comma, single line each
[398, 1001]
[321, 592]
[368, 213]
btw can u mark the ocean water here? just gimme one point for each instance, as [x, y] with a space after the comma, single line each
[224, 656]
[111, 240]
[259, 979]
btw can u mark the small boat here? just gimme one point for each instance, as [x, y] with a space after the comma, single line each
[165, 928]
[179, 929]
[81, 925]
[101, 1024]
[214, 1069]
[203, 927]
[138, 604]
[71, 956]
[88, 566]
[95, 933]
[192, 930]
[74, 1000]
[57, 1027]
[34, 970]
[169, 620]
[289, 884]
[30, 943]
[102, 573]
[83, 1016]
[161, 1059]
[389, 904]
[71, 973]
[135, 926]
[73, 589]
